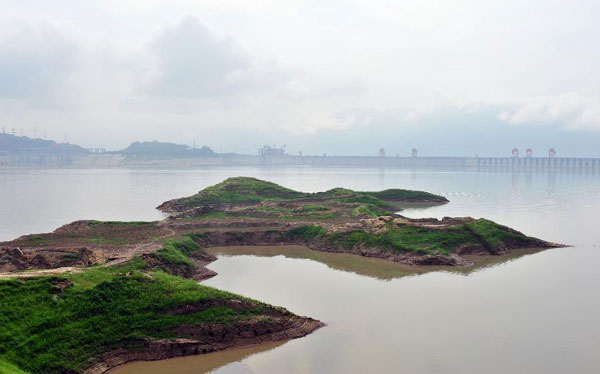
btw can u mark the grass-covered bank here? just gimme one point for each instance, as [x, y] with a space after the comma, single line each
[64, 324]
[402, 238]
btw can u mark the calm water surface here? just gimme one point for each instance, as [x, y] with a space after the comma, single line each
[536, 313]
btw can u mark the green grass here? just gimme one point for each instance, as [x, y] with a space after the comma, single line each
[173, 254]
[496, 236]
[302, 209]
[379, 199]
[98, 274]
[312, 208]
[307, 233]
[8, 368]
[245, 190]
[364, 198]
[241, 190]
[307, 212]
[422, 240]
[405, 239]
[369, 210]
[396, 194]
[44, 329]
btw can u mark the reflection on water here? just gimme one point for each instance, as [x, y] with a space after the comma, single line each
[533, 314]
[192, 365]
[368, 266]
[527, 315]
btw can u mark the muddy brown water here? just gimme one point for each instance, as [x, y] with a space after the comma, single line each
[187, 364]
[372, 267]
[529, 313]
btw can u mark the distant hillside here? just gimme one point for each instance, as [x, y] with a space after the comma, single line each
[165, 150]
[12, 144]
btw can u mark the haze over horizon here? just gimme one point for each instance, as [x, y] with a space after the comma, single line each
[342, 77]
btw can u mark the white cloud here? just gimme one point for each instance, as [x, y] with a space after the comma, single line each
[36, 59]
[573, 111]
[194, 62]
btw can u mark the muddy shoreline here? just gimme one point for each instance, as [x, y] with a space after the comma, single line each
[281, 326]
[247, 334]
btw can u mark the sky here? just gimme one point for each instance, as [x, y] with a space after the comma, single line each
[452, 77]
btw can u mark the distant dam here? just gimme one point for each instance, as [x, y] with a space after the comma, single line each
[464, 163]
[116, 160]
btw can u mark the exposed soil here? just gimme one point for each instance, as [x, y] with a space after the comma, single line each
[86, 243]
[276, 325]
[81, 244]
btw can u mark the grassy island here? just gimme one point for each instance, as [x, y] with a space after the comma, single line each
[92, 295]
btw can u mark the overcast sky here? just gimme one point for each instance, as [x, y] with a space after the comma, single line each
[450, 77]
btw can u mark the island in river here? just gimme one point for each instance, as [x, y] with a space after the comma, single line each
[93, 295]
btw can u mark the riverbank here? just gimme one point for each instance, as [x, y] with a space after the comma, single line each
[96, 319]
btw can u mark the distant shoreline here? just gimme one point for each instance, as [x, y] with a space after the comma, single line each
[486, 164]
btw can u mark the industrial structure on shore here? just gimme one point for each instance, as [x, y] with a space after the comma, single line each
[470, 163]
[21, 151]
[514, 162]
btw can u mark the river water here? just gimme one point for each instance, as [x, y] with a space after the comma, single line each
[532, 313]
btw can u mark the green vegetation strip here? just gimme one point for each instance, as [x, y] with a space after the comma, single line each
[422, 240]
